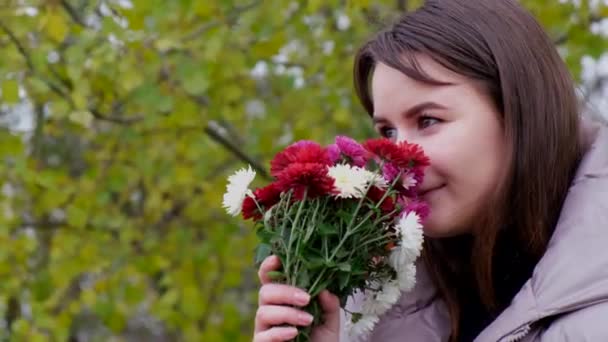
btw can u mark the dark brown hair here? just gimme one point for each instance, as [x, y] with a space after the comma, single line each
[499, 44]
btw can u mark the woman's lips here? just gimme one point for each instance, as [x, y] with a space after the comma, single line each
[428, 191]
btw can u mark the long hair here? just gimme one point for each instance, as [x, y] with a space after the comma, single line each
[501, 45]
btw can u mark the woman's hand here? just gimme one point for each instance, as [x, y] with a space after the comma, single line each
[275, 311]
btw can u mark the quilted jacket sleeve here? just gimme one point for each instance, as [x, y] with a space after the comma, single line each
[586, 325]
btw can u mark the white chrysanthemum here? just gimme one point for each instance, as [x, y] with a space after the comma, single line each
[410, 245]
[390, 293]
[406, 277]
[237, 189]
[363, 327]
[372, 306]
[379, 302]
[350, 180]
[409, 180]
[268, 215]
[375, 179]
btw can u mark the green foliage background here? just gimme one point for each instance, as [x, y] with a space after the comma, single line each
[111, 227]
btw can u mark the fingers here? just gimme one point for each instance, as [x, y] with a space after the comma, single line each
[271, 263]
[276, 334]
[331, 306]
[278, 307]
[282, 295]
[329, 302]
[271, 315]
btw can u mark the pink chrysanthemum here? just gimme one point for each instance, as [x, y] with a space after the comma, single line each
[419, 207]
[390, 172]
[353, 150]
[333, 151]
[410, 178]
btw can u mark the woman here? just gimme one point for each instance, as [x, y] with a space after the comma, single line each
[518, 186]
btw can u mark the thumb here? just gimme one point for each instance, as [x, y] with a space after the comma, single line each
[331, 306]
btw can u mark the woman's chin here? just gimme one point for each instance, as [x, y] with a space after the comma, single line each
[437, 230]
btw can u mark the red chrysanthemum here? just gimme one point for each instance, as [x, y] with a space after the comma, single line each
[301, 152]
[375, 194]
[250, 209]
[416, 154]
[268, 195]
[402, 154]
[309, 177]
[266, 198]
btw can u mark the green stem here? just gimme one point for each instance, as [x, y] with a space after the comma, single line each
[348, 233]
[365, 219]
[373, 240]
[313, 291]
[383, 218]
[389, 190]
[291, 238]
[285, 202]
[310, 228]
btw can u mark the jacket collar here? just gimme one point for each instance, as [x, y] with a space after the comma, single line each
[573, 273]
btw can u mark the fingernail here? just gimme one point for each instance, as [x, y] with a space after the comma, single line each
[301, 298]
[290, 333]
[305, 318]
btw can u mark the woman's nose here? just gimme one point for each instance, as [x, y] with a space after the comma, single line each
[403, 136]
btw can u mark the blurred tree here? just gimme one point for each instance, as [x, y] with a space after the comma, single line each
[122, 119]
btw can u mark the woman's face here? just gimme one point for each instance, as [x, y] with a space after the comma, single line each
[458, 127]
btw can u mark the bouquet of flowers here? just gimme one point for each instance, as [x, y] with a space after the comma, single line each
[343, 218]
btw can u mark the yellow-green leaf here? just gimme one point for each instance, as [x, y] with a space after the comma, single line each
[10, 91]
[56, 26]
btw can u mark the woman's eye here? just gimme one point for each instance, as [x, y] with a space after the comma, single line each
[388, 132]
[427, 121]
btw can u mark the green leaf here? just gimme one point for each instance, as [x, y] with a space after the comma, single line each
[346, 267]
[76, 217]
[267, 235]
[302, 278]
[326, 229]
[10, 91]
[194, 77]
[322, 286]
[343, 279]
[42, 286]
[56, 25]
[276, 276]
[82, 117]
[268, 47]
[262, 252]
[313, 262]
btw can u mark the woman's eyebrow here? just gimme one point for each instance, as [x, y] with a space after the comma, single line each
[412, 111]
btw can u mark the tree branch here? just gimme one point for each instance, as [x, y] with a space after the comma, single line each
[213, 23]
[20, 47]
[212, 296]
[30, 64]
[226, 142]
[174, 212]
[236, 150]
[73, 14]
[114, 118]
[58, 90]
[563, 38]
